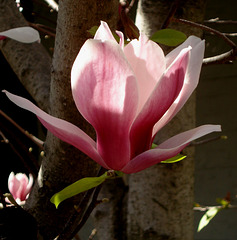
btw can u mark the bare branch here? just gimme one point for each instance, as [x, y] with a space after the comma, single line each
[203, 27]
[34, 139]
[171, 13]
[217, 20]
[30, 62]
[227, 57]
[52, 4]
[43, 29]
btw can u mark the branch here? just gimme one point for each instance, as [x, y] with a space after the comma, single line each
[80, 216]
[171, 13]
[52, 4]
[219, 59]
[43, 29]
[30, 62]
[203, 27]
[205, 208]
[34, 139]
[217, 20]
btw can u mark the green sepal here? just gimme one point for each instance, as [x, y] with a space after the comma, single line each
[93, 30]
[223, 202]
[169, 37]
[207, 217]
[77, 187]
[153, 145]
[177, 158]
[118, 173]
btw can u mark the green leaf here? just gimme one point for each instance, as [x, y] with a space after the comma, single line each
[177, 158]
[119, 174]
[207, 217]
[93, 30]
[153, 145]
[79, 186]
[223, 202]
[169, 37]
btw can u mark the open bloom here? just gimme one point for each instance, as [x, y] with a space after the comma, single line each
[128, 94]
[20, 186]
[21, 34]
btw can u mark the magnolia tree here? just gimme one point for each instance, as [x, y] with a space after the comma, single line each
[111, 90]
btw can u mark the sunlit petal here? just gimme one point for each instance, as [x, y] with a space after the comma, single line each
[190, 82]
[164, 94]
[61, 129]
[148, 63]
[105, 92]
[168, 149]
[22, 34]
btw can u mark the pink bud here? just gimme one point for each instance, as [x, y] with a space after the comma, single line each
[19, 186]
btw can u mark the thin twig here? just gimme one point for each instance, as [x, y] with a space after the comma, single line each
[44, 29]
[208, 140]
[230, 34]
[131, 5]
[205, 208]
[72, 225]
[52, 4]
[88, 212]
[171, 13]
[198, 25]
[217, 20]
[5, 140]
[226, 57]
[34, 139]
[93, 233]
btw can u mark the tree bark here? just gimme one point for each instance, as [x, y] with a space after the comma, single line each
[30, 62]
[64, 164]
[160, 199]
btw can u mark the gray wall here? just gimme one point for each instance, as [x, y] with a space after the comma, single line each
[216, 162]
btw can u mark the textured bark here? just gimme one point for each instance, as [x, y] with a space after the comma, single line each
[30, 62]
[110, 216]
[63, 163]
[160, 199]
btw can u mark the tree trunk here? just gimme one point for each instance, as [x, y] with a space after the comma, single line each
[30, 62]
[160, 199]
[64, 164]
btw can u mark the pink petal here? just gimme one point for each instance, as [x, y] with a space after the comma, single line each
[28, 187]
[23, 179]
[190, 81]
[13, 185]
[61, 129]
[164, 94]
[168, 149]
[148, 62]
[191, 41]
[103, 33]
[22, 34]
[105, 92]
[121, 41]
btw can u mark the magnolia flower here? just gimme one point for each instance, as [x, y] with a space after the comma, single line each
[21, 34]
[128, 94]
[20, 186]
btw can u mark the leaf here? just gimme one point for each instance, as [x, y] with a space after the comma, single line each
[93, 30]
[177, 158]
[207, 217]
[79, 186]
[223, 202]
[153, 145]
[169, 37]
